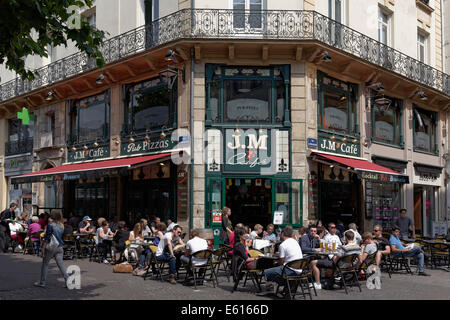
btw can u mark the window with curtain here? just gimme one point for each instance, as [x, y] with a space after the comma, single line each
[386, 123]
[425, 123]
[90, 118]
[150, 105]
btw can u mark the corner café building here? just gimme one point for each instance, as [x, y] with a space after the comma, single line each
[286, 115]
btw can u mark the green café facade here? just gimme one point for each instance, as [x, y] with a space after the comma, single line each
[249, 141]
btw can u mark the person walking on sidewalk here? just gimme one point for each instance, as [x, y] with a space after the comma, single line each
[54, 231]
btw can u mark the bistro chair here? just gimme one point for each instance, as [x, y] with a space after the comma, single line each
[370, 260]
[238, 267]
[69, 247]
[301, 279]
[440, 254]
[346, 265]
[228, 253]
[219, 262]
[151, 267]
[399, 263]
[198, 271]
[28, 246]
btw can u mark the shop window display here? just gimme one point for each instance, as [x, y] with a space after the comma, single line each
[383, 203]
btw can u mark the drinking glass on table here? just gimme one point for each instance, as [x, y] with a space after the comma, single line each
[334, 246]
[321, 246]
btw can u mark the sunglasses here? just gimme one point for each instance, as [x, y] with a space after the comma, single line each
[376, 230]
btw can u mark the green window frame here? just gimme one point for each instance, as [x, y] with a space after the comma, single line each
[221, 80]
[425, 124]
[396, 111]
[156, 88]
[346, 94]
[78, 106]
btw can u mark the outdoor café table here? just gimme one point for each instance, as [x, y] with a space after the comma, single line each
[78, 238]
[447, 244]
[149, 239]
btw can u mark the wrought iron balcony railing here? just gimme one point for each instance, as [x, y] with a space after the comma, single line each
[234, 24]
[18, 147]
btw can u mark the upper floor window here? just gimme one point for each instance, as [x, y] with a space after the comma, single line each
[337, 105]
[425, 123]
[383, 27]
[251, 95]
[20, 137]
[422, 47]
[90, 118]
[247, 14]
[386, 121]
[150, 105]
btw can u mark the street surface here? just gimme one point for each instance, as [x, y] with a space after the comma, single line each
[98, 282]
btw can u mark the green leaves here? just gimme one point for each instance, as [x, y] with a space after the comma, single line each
[27, 27]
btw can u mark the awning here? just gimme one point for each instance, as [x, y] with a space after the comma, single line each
[365, 169]
[94, 169]
[427, 169]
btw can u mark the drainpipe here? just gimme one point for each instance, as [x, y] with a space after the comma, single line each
[191, 129]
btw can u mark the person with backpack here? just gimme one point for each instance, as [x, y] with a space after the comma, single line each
[53, 248]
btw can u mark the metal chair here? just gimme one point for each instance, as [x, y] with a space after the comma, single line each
[198, 271]
[398, 263]
[440, 252]
[296, 279]
[219, 261]
[152, 262]
[346, 265]
[370, 260]
[69, 247]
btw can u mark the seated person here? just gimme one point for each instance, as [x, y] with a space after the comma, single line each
[160, 232]
[368, 247]
[15, 227]
[331, 236]
[301, 232]
[104, 233]
[354, 228]
[146, 232]
[257, 233]
[329, 263]
[170, 225]
[166, 250]
[135, 238]
[120, 237]
[68, 230]
[231, 238]
[154, 224]
[399, 250]
[310, 243]
[341, 228]
[289, 250]
[383, 245]
[194, 245]
[23, 220]
[86, 226]
[33, 232]
[268, 234]
[240, 249]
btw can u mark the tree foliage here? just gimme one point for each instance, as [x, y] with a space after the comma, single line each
[28, 27]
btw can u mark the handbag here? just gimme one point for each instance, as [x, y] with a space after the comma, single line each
[122, 268]
[53, 245]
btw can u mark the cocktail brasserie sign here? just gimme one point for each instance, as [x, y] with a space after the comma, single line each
[89, 154]
[339, 147]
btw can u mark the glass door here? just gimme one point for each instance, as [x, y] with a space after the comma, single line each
[287, 198]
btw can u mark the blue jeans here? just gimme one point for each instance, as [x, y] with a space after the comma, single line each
[144, 256]
[274, 274]
[172, 262]
[48, 255]
[417, 254]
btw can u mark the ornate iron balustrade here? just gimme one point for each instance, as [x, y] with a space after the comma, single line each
[235, 24]
[18, 147]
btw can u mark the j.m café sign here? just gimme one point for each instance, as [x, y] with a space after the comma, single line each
[339, 147]
[88, 154]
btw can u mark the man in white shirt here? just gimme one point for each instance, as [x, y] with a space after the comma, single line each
[352, 227]
[289, 250]
[166, 250]
[194, 245]
[331, 237]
